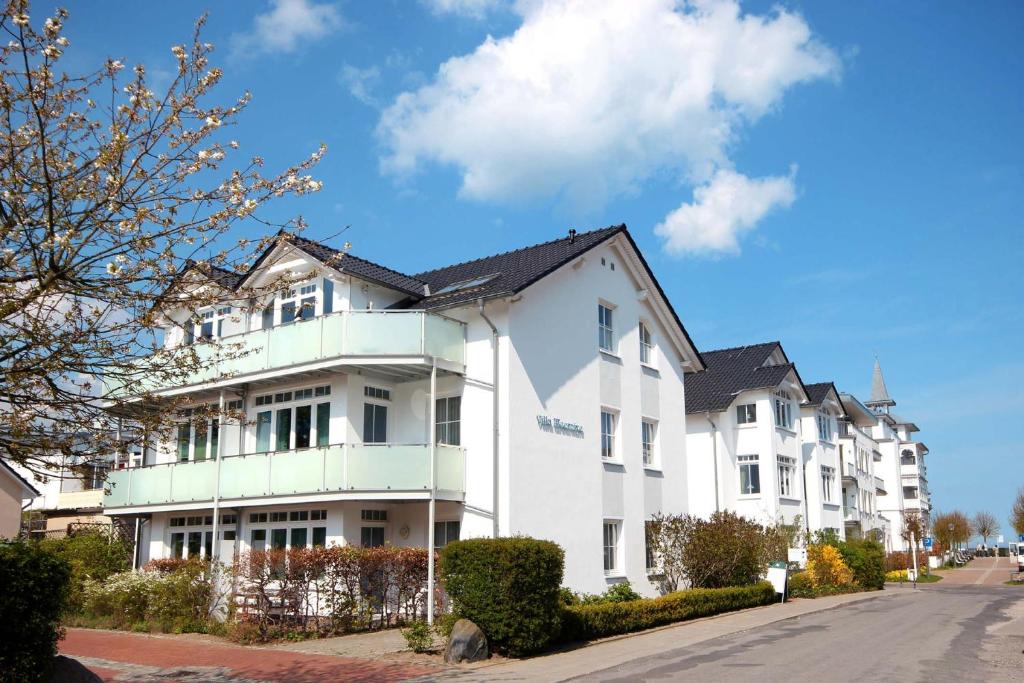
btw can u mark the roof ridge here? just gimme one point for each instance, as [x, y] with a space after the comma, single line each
[347, 254]
[620, 226]
[744, 346]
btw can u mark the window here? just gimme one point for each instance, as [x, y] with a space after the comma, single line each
[95, 475]
[371, 536]
[278, 516]
[447, 430]
[263, 431]
[648, 430]
[746, 414]
[907, 457]
[750, 475]
[787, 466]
[646, 346]
[605, 330]
[258, 539]
[607, 435]
[184, 437]
[377, 392]
[828, 482]
[177, 545]
[284, 429]
[909, 492]
[195, 543]
[319, 536]
[206, 321]
[446, 532]
[611, 547]
[299, 537]
[825, 428]
[323, 424]
[229, 519]
[783, 410]
[229, 535]
[268, 317]
[375, 423]
[257, 518]
[298, 516]
[650, 557]
[307, 304]
[318, 515]
[374, 515]
[303, 425]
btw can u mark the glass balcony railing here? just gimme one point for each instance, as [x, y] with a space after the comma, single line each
[332, 469]
[327, 337]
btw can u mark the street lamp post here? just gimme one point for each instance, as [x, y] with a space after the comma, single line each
[951, 534]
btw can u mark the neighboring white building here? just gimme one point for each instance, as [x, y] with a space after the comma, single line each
[533, 392]
[864, 479]
[901, 461]
[759, 442]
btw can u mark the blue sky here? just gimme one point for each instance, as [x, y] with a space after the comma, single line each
[843, 177]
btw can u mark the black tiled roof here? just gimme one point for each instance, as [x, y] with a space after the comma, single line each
[730, 371]
[816, 393]
[227, 279]
[510, 272]
[367, 270]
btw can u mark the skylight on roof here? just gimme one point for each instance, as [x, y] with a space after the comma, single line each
[466, 284]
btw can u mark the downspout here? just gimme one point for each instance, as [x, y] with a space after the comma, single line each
[714, 454]
[494, 418]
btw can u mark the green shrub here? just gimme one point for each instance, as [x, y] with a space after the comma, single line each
[33, 594]
[617, 592]
[417, 636]
[91, 555]
[800, 585]
[866, 559]
[586, 622]
[509, 587]
[725, 550]
[444, 623]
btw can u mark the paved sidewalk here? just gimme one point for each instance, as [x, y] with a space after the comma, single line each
[603, 654]
[122, 657]
[981, 571]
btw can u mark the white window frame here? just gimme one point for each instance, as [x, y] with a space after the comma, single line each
[445, 523]
[611, 532]
[649, 442]
[442, 428]
[828, 483]
[318, 395]
[606, 327]
[786, 467]
[783, 403]
[309, 524]
[610, 441]
[745, 410]
[647, 354]
[749, 461]
[826, 431]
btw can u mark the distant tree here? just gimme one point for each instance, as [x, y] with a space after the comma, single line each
[914, 526]
[951, 528]
[1017, 514]
[985, 525]
[107, 189]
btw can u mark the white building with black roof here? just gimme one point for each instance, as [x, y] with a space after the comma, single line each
[760, 442]
[532, 392]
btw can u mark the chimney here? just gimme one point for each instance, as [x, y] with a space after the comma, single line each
[572, 234]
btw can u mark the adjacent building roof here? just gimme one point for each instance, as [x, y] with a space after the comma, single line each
[817, 392]
[731, 371]
[29, 488]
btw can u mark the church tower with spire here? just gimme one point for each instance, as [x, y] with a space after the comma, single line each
[880, 401]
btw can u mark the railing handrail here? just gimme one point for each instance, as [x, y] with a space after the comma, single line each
[285, 452]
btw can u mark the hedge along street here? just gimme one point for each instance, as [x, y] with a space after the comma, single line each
[562, 665]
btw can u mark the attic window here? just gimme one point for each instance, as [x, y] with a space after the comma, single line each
[466, 284]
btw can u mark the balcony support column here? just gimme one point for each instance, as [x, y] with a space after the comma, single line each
[216, 485]
[433, 492]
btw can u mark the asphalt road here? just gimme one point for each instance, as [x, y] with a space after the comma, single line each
[959, 633]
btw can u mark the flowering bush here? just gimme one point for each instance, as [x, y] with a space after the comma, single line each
[825, 567]
[176, 600]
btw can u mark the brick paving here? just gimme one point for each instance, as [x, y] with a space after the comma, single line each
[131, 657]
[981, 571]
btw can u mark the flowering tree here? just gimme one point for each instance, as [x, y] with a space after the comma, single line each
[112, 196]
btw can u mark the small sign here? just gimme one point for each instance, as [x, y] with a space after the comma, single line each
[798, 555]
[999, 538]
[911, 575]
[1021, 538]
[777, 576]
[927, 542]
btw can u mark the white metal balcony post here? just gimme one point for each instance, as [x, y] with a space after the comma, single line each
[433, 492]
[216, 486]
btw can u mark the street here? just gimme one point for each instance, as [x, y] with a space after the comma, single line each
[952, 633]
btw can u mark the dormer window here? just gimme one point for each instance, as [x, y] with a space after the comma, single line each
[211, 322]
[783, 410]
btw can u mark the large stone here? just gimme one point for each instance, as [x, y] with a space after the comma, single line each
[67, 670]
[467, 643]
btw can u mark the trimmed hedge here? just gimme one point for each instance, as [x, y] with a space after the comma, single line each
[509, 587]
[586, 622]
[867, 561]
[33, 596]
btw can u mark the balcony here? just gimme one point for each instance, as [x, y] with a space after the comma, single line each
[361, 471]
[879, 485]
[364, 338]
[80, 500]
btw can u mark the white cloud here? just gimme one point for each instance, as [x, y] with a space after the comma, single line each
[360, 82]
[286, 27]
[466, 8]
[588, 98]
[722, 211]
